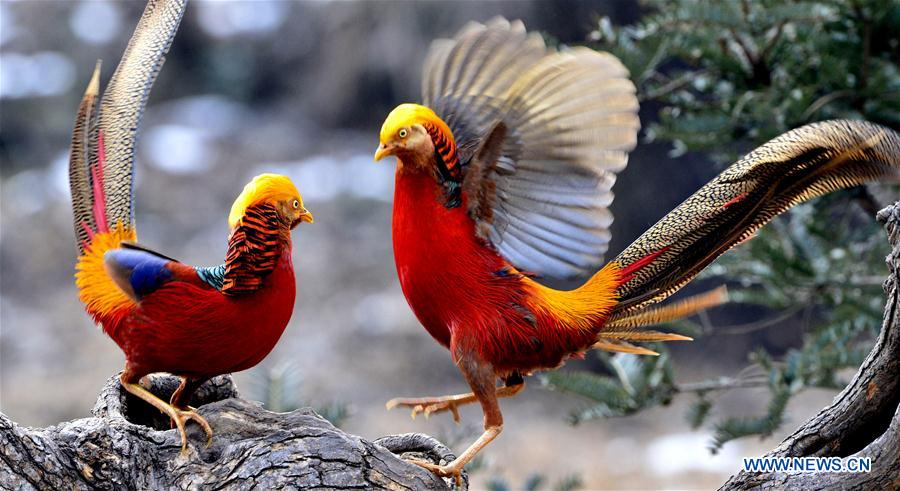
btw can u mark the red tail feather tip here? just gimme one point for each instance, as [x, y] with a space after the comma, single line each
[734, 200]
[628, 272]
[97, 178]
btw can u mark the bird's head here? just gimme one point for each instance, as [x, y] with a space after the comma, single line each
[275, 190]
[408, 133]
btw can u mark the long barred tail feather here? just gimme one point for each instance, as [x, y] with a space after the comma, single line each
[618, 346]
[101, 160]
[125, 98]
[618, 334]
[801, 164]
[667, 313]
[80, 178]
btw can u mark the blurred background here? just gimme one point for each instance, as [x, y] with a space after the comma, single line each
[301, 88]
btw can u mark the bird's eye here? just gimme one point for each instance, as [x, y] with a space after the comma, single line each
[295, 204]
[403, 133]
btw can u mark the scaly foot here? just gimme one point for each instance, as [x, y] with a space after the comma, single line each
[182, 416]
[178, 416]
[433, 405]
[441, 470]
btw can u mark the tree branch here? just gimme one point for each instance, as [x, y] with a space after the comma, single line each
[129, 445]
[864, 419]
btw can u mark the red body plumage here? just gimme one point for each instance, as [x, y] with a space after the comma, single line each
[466, 295]
[190, 328]
[511, 159]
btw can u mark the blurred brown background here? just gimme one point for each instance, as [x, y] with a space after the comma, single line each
[301, 88]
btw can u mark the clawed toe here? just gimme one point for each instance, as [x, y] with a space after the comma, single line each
[427, 408]
[178, 416]
[441, 407]
[441, 470]
[182, 417]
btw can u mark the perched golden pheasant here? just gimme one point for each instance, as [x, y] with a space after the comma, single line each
[506, 172]
[167, 316]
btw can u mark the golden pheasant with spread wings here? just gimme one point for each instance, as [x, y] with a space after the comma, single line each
[506, 171]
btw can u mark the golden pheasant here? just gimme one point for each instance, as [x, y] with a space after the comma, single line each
[166, 316]
[506, 171]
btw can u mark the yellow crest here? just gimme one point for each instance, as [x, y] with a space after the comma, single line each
[407, 115]
[263, 188]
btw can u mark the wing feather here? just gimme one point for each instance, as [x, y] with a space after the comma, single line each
[570, 118]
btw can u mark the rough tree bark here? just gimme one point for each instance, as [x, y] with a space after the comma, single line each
[128, 445]
[864, 419]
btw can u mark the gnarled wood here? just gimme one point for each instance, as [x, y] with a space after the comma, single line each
[128, 445]
[864, 419]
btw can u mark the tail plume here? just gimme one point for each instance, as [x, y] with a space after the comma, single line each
[80, 179]
[801, 164]
[618, 334]
[101, 160]
[666, 313]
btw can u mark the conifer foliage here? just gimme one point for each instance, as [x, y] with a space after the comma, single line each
[723, 78]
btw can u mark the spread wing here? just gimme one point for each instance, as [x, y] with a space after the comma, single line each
[567, 118]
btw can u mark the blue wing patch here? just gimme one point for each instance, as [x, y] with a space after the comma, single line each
[214, 276]
[138, 273]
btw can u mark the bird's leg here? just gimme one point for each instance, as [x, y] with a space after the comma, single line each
[180, 417]
[182, 395]
[434, 405]
[481, 378]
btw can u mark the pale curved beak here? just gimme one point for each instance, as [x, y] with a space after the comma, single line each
[383, 151]
[304, 216]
